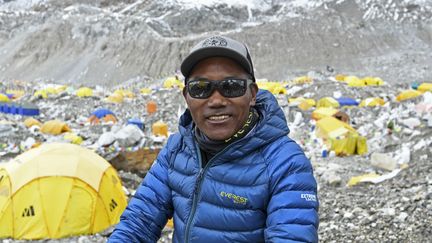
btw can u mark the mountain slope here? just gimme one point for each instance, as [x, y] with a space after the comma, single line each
[110, 41]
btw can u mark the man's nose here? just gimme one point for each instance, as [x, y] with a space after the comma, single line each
[216, 99]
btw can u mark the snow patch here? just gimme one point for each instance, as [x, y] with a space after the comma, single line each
[254, 4]
[20, 4]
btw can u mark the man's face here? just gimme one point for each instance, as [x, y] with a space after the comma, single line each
[219, 117]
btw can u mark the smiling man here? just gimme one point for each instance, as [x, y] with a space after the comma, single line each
[231, 174]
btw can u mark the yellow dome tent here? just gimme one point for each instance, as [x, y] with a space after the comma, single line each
[29, 122]
[322, 112]
[125, 93]
[340, 77]
[173, 82]
[54, 127]
[145, 91]
[340, 137]
[84, 92]
[42, 93]
[73, 138]
[114, 98]
[327, 102]
[58, 190]
[51, 90]
[373, 81]
[302, 103]
[61, 88]
[273, 87]
[425, 87]
[160, 128]
[408, 94]
[296, 101]
[354, 81]
[371, 101]
[307, 104]
[303, 80]
[4, 98]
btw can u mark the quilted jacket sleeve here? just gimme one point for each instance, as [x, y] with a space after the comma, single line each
[151, 206]
[292, 212]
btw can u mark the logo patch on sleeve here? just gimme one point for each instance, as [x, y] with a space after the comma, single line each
[308, 197]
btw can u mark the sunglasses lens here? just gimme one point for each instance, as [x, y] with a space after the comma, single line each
[230, 88]
[200, 89]
[233, 87]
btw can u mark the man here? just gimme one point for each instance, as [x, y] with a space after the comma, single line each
[231, 174]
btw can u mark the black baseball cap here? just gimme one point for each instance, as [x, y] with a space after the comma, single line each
[218, 46]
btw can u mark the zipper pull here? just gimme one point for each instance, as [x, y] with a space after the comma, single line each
[200, 174]
[197, 182]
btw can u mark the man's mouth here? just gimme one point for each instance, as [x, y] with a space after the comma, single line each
[218, 117]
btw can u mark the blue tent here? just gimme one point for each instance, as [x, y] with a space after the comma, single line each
[346, 101]
[101, 112]
[137, 122]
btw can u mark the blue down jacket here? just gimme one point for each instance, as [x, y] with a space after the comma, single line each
[258, 189]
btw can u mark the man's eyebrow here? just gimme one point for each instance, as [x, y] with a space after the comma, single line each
[198, 77]
[203, 78]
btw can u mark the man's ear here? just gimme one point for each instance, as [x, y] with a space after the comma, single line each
[184, 92]
[254, 90]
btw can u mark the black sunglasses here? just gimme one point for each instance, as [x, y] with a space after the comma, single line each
[229, 87]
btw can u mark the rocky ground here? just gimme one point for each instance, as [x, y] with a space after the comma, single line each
[396, 209]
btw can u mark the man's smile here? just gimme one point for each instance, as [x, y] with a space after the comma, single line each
[218, 117]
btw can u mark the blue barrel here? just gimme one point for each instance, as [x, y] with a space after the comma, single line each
[28, 110]
[324, 153]
[14, 108]
[346, 101]
[7, 108]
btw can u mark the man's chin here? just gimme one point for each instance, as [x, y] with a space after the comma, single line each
[218, 136]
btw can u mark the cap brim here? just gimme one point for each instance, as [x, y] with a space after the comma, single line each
[190, 61]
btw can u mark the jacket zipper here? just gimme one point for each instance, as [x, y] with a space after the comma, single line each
[197, 187]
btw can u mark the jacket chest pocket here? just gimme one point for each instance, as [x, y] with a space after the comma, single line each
[248, 198]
